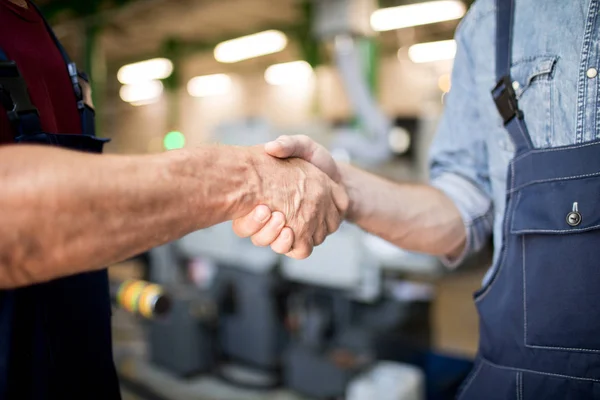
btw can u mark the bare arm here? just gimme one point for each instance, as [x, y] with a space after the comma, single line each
[64, 212]
[416, 217]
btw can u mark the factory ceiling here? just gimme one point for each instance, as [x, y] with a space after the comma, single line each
[132, 30]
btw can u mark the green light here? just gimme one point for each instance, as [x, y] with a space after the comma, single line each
[174, 140]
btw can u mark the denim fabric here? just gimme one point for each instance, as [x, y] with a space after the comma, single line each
[555, 44]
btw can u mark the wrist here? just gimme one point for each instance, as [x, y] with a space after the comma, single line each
[219, 181]
[347, 173]
[247, 189]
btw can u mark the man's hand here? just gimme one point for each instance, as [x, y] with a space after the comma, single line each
[301, 146]
[414, 217]
[312, 204]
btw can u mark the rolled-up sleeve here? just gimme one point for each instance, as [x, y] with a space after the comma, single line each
[458, 156]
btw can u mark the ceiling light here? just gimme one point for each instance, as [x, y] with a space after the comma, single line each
[157, 68]
[245, 47]
[295, 72]
[432, 51]
[141, 93]
[209, 85]
[386, 19]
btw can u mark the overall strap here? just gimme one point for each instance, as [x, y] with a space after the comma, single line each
[504, 94]
[71, 67]
[14, 98]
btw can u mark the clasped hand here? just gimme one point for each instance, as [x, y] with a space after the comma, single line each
[301, 199]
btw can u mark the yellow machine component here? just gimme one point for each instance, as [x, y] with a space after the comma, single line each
[141, 298]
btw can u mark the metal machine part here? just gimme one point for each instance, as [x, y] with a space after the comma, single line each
[141, 298]
[345, 23]
[182, 343]
[373, 147]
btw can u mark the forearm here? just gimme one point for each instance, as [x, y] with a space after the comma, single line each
[65, 212]
[415, 217]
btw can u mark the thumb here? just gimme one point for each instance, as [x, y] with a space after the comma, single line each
[301, 146]
[283, 147]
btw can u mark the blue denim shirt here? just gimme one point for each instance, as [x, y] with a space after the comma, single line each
[555, 63]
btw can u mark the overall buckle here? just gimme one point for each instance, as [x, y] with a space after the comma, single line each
[506, 100]
[14, 88]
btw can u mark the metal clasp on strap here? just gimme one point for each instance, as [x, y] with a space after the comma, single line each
[14, 87]
[506, 100]
[74, 74]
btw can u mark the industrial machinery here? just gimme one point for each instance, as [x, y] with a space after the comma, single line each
[258, 321]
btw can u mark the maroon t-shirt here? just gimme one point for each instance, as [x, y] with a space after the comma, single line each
[25, 40]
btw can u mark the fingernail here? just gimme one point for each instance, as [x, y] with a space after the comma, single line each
[285, 235]
[261, 214]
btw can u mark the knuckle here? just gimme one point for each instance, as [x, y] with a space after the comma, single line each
[303, 255]
[303, 252]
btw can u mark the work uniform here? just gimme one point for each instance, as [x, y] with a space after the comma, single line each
[55, 338]
[539, 306]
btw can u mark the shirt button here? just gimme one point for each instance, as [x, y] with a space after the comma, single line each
[591, 73]
[516, 85]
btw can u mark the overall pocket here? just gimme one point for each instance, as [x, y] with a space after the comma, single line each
[560, 255]
[547, 387]
[533, 82]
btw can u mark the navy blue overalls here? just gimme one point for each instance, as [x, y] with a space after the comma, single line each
[55, 338]
[540, 314]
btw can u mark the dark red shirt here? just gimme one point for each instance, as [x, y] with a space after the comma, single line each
[25, 40]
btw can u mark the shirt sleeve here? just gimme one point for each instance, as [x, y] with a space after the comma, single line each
[458, 156]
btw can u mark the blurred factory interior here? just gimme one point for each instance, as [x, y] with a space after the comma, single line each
[359, 319]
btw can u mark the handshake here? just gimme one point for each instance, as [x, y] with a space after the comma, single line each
[300, 198]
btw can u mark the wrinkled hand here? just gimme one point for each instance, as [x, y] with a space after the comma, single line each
[312, 204]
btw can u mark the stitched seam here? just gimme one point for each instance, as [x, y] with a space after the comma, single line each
[534, 346]
[582, 84]
[550, 120]
[524, 292]
[519, 386]
[558, 148]
[499, 265]
[553, 180]
[579, 378]
[520, 61]
[512, 176]
[525, 313]
[531, 82]
[517, 202]
[524, 231]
